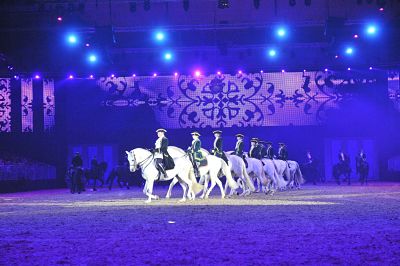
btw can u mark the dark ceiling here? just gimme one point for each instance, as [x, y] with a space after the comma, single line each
[200, 34]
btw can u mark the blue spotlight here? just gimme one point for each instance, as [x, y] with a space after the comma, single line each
[371, 29]
[168, 56]
[281, 32]
[92, 58]
[72, 39]
[159, 36]
[349, 51]
[272, 53]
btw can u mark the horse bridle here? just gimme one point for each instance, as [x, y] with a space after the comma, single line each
[140, 165]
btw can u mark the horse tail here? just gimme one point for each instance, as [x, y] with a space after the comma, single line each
[299, 175]
[264, 179]
[227, 172]
[249, 182]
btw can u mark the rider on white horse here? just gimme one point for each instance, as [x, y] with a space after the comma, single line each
[162, 159]
[254, 149]
[195, 153]
[217, 149]
[239, 148]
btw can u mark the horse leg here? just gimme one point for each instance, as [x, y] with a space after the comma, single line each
[219, 183]
[213, 183]
[171, 185]
[206, 178]
[184, 188]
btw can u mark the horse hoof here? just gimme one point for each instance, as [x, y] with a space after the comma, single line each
[167, 197]
[148, 201]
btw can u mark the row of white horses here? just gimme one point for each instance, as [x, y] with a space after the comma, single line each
[268, 175]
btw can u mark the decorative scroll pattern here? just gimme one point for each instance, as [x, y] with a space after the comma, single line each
[259, 99]
[26, 105]
[5, 105]
[394, 88]
[48, 104]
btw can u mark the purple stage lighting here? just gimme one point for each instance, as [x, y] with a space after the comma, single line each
[348, 68]
[283, 71]
[176, 74]
[218, 72]
[197, 73]
[91, 76]
[71, 76]
[37, 76]
[154, 74]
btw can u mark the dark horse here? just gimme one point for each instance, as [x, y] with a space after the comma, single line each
[74, 179]
[341, 169]
[121, 172]
[96, 173]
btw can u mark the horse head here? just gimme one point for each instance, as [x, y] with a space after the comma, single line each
[132, 160]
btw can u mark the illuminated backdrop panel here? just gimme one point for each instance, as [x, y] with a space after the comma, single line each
[243, 100]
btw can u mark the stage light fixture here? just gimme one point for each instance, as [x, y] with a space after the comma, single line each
[240, 72]
[283, 71]
[154, 74]
[349, 51]
[272, 53]
[371, 29]
[37, 76]
[218, 72]
[72, 39]
[91, 76]
[160, 36]
[176, 74]
[223, 4]
[281, 32]
[349, 68]
[167, 56]
[71, 76]
[92, 58]
[197, 73]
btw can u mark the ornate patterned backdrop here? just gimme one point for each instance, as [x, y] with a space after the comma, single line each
[5, 105]
[243, 100]
[27, 105]
[394, 88]
[49, 107]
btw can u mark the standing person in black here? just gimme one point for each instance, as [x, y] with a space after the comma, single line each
[94, 171]
[311, 168]
[362, 166]
[344, 166]
[76, 182]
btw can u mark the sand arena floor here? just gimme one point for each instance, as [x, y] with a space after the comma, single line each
[318, 225]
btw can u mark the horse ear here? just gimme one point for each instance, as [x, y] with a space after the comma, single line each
[127, 152]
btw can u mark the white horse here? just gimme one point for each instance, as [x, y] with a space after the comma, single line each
[280, 168]
[255, 170]
[238, 169]
[144, 159]
[296, 177]
[208, 172]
